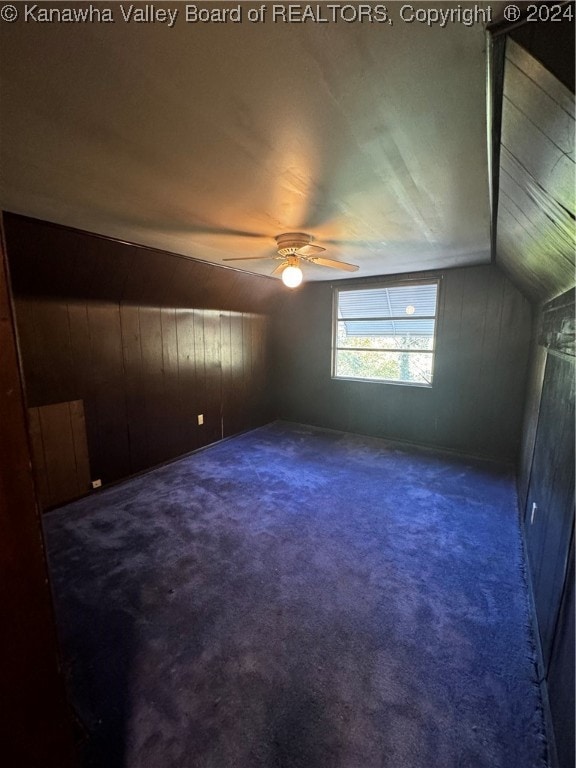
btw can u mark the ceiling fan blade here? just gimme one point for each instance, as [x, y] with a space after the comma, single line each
[247, 258]
[280, 268]
[210, 231]
[335, 264]
[309, 250]
[232, 233]
[191, 227]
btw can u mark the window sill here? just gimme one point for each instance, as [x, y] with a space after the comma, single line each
[384, 381]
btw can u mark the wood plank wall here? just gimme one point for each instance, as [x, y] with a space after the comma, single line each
[535, 245]
[145, 373]
[546, 478]
[475, 405]
[536, 196]
[560, 676]
[51, 261]
[549, 524]
[144, 366]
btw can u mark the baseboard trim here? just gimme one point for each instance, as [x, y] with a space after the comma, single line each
[508, 464]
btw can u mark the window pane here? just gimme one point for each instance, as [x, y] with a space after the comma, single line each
[410, 367]
[393, 301]
[386, 334]
[387, 327]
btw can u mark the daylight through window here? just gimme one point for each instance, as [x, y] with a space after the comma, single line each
[386, 333]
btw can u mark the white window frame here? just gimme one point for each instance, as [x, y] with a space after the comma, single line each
[376, 286]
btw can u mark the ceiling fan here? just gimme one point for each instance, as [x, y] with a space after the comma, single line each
[293, 249]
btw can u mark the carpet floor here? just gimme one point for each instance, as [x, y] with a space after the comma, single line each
[300, 598]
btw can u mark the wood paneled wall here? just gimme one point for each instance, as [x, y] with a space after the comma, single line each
[145, 371]
[549, 510]
[475, 405]
[536, 200]
[535, 245]
[53, 261]
[145, 374]
[546, 479]
[560, 677]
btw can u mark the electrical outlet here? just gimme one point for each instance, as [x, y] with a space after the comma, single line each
[200, 419]
[96, 483]
[534, 508]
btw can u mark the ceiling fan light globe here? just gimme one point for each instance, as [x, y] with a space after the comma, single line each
[292, 277]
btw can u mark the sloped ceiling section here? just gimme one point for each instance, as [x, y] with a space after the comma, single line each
[208, 140]
[536, 206]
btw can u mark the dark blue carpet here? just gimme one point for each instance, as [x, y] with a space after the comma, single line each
[300, 598]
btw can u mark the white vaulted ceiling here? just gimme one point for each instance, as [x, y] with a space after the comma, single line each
[210, 139]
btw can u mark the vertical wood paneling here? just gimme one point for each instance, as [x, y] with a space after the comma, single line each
[187, 391]
[492, 361]
[134, 392]
[49, 260]
[226, 363]
[516, 324]
[552, 490]
[51, 344]
[108, 438]
[237, 396]
[467, 368]
[213, 374]
[146, 339]
[451, 353]
[561, 674]
[171, 443]
[199, 398]
[260, 364]
[536, 368]
[546, 478]
[81, 457]
[247, 394]
[145, 373]
[475, 403]
[152, 382]
[80, 350]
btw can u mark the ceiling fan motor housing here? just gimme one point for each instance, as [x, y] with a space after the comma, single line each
[291, 242]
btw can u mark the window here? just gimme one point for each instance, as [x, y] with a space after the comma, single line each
[386, 333]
